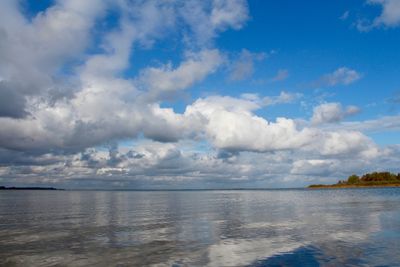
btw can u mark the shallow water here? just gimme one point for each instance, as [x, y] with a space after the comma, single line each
[349, 227]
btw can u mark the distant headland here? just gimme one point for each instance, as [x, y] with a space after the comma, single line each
[374, 179]
[28, 188]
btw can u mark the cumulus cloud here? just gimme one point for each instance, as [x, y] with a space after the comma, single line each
[170, 165]
[243, 67]
[332, 112]
[103, 106]
[12, 102]
[341, 76]
[67, 101]
[230, 124]
[37, 49]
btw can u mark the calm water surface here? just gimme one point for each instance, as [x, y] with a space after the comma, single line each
[351, 227]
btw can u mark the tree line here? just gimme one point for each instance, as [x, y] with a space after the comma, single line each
[374, 177]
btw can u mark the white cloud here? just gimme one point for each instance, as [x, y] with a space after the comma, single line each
[341, 76]
[317, 167]
[36, 50]
[281, 75]
[170, 165]
[332, 112]
[68, 123]
[227, 123]
[282, 98]
[345, 143]
[390, 14]
[101, 105]
[230, 124]
[206, 19]
[389, 17]
[379, 125]
[243, 67]
[194, 68]
[229, 14]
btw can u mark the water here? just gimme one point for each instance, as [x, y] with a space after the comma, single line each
[351, 227]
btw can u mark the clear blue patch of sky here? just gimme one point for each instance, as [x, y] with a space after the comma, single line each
[385, 138]
[32, 7]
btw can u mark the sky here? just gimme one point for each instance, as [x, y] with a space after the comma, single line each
[197, 94]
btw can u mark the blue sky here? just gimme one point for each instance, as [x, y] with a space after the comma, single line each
[197, 94]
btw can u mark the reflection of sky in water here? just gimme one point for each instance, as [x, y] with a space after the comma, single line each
[201, 228]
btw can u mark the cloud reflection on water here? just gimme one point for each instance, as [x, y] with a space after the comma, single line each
[204, 228]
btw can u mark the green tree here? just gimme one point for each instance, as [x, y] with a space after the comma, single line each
[353, 179]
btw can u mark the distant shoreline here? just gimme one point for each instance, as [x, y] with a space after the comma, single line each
[368, 180]
[350, 186]
[28, 188]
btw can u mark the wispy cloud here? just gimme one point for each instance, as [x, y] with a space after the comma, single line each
[281, 75]
[341, 76]
[345, 15]
[243, 67]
